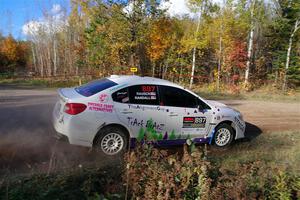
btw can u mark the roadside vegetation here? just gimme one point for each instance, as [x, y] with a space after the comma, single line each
[207, 91]
[264, 167]
[260, 93]
[45, 82]
[241, 43]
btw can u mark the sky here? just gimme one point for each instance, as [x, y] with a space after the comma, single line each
[14, 14]
[19, 17]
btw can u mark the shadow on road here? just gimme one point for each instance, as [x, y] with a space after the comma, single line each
[252, 131]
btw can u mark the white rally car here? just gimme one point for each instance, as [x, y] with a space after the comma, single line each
[112, 113]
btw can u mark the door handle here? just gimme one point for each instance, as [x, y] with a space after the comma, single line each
[126, 112]
[173, 114]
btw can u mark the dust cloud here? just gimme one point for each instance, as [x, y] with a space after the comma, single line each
[27, 143]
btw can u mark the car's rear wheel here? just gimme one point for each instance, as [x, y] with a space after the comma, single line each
[111, 141]
[224, 135]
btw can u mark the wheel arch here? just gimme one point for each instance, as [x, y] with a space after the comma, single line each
[230, 123]
[123, 128]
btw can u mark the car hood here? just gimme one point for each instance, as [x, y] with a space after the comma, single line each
[216, 103]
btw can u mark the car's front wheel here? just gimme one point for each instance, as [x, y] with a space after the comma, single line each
[111, 141]
[223, 135]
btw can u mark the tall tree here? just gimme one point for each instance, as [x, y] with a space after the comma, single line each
[292, 13]
[250, 41]
[198, 6]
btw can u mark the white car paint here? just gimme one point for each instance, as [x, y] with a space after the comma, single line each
[81, 129]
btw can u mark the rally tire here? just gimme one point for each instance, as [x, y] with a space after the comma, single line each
[111, 141]
[223, 135]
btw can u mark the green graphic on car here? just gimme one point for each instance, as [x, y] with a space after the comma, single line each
[149, 133]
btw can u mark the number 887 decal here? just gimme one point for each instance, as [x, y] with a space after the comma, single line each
[194, 122]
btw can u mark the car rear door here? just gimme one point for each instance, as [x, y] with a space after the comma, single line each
[138, 107]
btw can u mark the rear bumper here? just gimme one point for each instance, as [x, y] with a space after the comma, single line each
[72, 129]
[61, 137]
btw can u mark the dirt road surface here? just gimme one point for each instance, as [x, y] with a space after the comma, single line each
[26, 132]
[269, 116]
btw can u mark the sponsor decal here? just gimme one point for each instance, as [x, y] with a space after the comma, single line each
[148, 124]
[142, 107]
[150, 136]
[103, 98]
[194, 122]
[101, 107]
[239, 123]
[122, 96]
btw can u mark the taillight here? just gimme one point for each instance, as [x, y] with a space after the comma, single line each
[74, 108]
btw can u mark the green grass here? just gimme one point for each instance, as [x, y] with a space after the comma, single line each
[73, 184]
[260, 95]
[219, 95]
[291, 96]
[45, 83]
[275, 148]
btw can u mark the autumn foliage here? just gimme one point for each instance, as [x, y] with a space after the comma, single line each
[110, 37]
[13, 54]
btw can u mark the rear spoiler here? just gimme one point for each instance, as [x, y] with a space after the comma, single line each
[67, 94]
[61, 94]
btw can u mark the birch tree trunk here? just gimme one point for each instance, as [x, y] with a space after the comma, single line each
[288, 54]
[250, 45]
[49, 67]
[54, 57]
[41, 62]
[194, 52]
[164, 70]
[180, 75]
[33, 57]
[220, 57]
[153, 69]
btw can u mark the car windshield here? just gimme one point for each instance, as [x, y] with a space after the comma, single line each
[94, 87]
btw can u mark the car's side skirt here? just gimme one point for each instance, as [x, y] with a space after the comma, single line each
[166, 143]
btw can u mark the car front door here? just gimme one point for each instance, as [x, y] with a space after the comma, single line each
[188, 116]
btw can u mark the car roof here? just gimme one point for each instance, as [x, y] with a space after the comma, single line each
[134, 80]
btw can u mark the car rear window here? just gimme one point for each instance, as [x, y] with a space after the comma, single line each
[94, 87]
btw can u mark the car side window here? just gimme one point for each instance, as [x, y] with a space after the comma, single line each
[176, 97]
[144, 94]
[121, 96]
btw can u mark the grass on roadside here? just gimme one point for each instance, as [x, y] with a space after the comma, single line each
[207, 91]
[88, 183]
[265, 167]
[262, 93]
[45, 83]
[280, 149]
